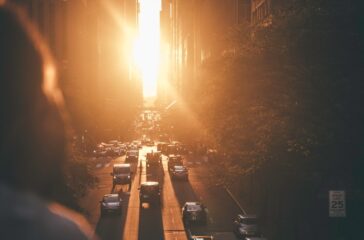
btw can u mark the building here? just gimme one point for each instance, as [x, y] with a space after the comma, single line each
[195, 29]
[91, 42]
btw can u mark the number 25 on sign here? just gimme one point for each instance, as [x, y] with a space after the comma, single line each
[337, 204]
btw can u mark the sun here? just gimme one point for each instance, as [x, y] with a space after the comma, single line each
[147, 45]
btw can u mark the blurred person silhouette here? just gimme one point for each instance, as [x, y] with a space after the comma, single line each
[33, 137]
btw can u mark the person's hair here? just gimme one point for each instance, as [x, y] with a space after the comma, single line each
[32, 118]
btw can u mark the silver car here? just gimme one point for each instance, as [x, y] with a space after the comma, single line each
[111, 203]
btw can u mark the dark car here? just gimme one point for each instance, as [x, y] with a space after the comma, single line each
[174, 160]
[149, 193]
[132, 155]
[161, 146]
[154, 159]
[246, 226]
[121, 174]
[194, 212]
[111, 203]
[179, 172]
[171, 149]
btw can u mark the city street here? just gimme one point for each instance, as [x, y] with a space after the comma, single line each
[165, 221]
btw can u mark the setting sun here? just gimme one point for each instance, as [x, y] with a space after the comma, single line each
[147, 45]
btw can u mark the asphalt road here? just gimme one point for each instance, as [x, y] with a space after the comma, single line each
[164, 221]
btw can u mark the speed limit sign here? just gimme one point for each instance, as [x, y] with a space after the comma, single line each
[337, 204]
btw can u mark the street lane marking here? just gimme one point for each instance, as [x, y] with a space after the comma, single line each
[131, 229]
[171, 212]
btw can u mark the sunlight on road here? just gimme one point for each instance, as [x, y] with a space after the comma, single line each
[147, 45]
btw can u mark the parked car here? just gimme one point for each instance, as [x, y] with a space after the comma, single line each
[121, 174]
[246, 226]
[149, 193]
[111, 203]
[194, 212]
[114, 142]
[174, 160]
[179, 172]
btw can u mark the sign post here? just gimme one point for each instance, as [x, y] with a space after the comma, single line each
[337, 204]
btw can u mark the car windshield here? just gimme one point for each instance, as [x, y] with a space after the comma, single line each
[111, 199]
[132, 153]
[249, 221]
[121, 170]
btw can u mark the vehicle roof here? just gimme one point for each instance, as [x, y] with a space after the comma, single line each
[111, 195]
[197, 237]
[150, 183]
[179, 167]
[121, 165]
[193, 206]
[246, 216]
[255, 238]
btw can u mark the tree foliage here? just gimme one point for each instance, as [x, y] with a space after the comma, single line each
[286, 99]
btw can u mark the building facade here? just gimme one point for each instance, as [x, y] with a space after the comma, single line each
[91, 42]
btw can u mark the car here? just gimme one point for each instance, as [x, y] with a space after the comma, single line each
[194, 212]
[161, 146]
[149, 192]
[138, 144]
[179, 172]
[146, 141]
[121, 174]
[246, 226]
[111, 203]
[198, 237]
[171, 149]
[150, 143]
[255, 238]
[99, 151]
[132, 155]
[174, 160]
[154, 159]
[114, 142]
